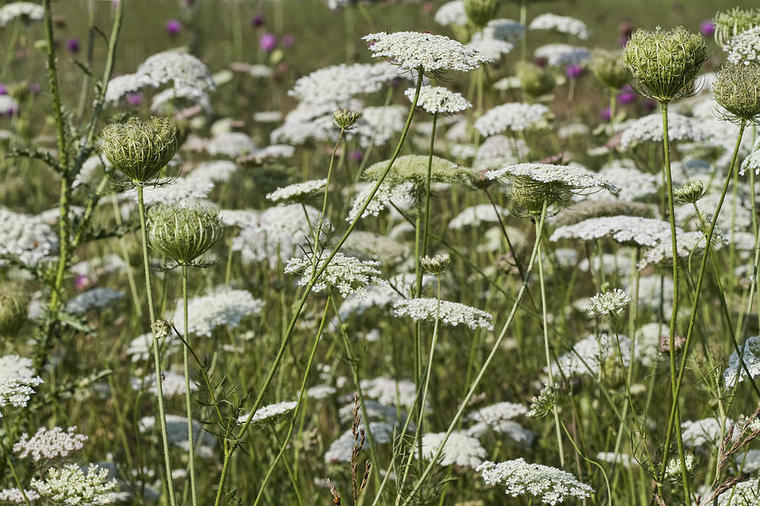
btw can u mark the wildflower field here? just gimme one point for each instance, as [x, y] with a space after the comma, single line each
[469, 253]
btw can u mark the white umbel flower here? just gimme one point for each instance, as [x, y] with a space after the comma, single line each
[476, 215]
[634, 230]
[439, 100]
[611, 302]
[451, 13]
[460, 449]
[336, 85]
[577, 178]
[589, 354]
[707, 431]
[752, 162]
[298, 191]
[25, 236]
[71, 485]
[561, 24]
[432, 53]
[26, 11]
[17, 381]
[271, 414]
[222, 307]
[48, 444]
[492, 47]
[449, 313]
[751, 356]
[512, 117]
[345, 273]
[649, 129]
[95, 298]
[547, 484]
[558, 55]
[745, 48]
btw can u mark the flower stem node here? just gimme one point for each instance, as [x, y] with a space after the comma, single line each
[138, 149]
[664, 64]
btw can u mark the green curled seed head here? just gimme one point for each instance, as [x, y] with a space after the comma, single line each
[138, 149]
[183, 233]
[737, 89]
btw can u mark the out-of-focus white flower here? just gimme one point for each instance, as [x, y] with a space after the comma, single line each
[439, 100]
[447, 312]
[561, 24]
[512, 117]
[459, 449]
[222, 307]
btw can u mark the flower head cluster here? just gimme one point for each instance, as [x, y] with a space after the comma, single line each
[730, 23]
[451, 13]
[431, 53]
[48, 444]
[547, 484]
[562, 55]
[476, 215]
[17, 381]
[271, 414]
[345, 273]
[607, 303]
[336, 85]
[633, 230]
[649, 129]
[139, 150]
[449, 313]
[95, 298]
[589, 355]
[512, 117]
[214, 171]
[744, 49]
[414, 169]
[561, 24]
[172, 384]
[498, 418]
[534, 80]
[222, 307]
[737, 89]
[439, 100]
[181, 192]
[460, 449]
[490, 46]
[183, 233]
[341, 450]
[297, 192]
[707, 431]
[25, 11]
[72, 485]
[26, 237]
[752, 162]
[750, 357]
[665, 63]
[176, 433]
[378, 125]
[608, 67]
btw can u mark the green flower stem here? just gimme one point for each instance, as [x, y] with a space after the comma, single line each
[673, 421]
[323, 214]
[674, 313]
[301, 395]
[545, 325]
[188, 400]
[524, 22]
[13, 472]
[307, 290]
[476, 382]
[156, 357]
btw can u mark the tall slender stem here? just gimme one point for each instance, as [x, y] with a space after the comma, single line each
[156, 356]
[188, 400]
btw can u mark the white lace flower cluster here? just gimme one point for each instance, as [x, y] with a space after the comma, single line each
[274, 235]
[95, 298]
[447, 312]
[298, 191]
[48, 444]
[633, 183]
[476, 215]
[222, 307]
[378, 125]
[172, 384]
[182, 191]
[341, 449]
[589, 354]
[26, 236]
[214, 171]
[389, 391]
[386, 194]
[559, 55]
[190, 77]
[512, 117]
[349, 275]
[432, 53]
[16, 496]
[752, 162]
[27, 11]
[439, 100]
[561, 24]
[649, 129]
[451, 13]
[574, 177]
[271, 414]
[17, 381]
[734, 372]
[460, 449]
[547, 484]
[744, 49]
[635, 230]
[607, 303]
[336, 85]
[489, 45]
[707, 431]
[744, 493]
[497, 418]
[231, 144]
[72, 485]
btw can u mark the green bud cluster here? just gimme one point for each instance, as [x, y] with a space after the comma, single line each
[608, 67]
[437, 264]
[346, 119]
[665, 63]
[534, 80]
[414, 169]
[737, 89]
[689, 193]
[480, 12]
[183, 233]
[138, 149]
[731, 23]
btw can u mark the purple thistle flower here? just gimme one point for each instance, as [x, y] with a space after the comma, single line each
[257, 21]
[173, 27]
[626, 95]
[3, 90]
[605, 114]
[707, 28]
[73, 45]
[287, 40]
[356, 155]
[134, 99]
[574, 71]
[267, 41]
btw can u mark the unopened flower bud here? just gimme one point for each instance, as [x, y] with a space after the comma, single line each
[737, 89]
[689, 193]
[534, 80]
[161, 329]
[437, 264]
[665, 63]
[609, 69]
[346, 119]
[183, 233]
[731, 23]
[480, 12]
[140, 150]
